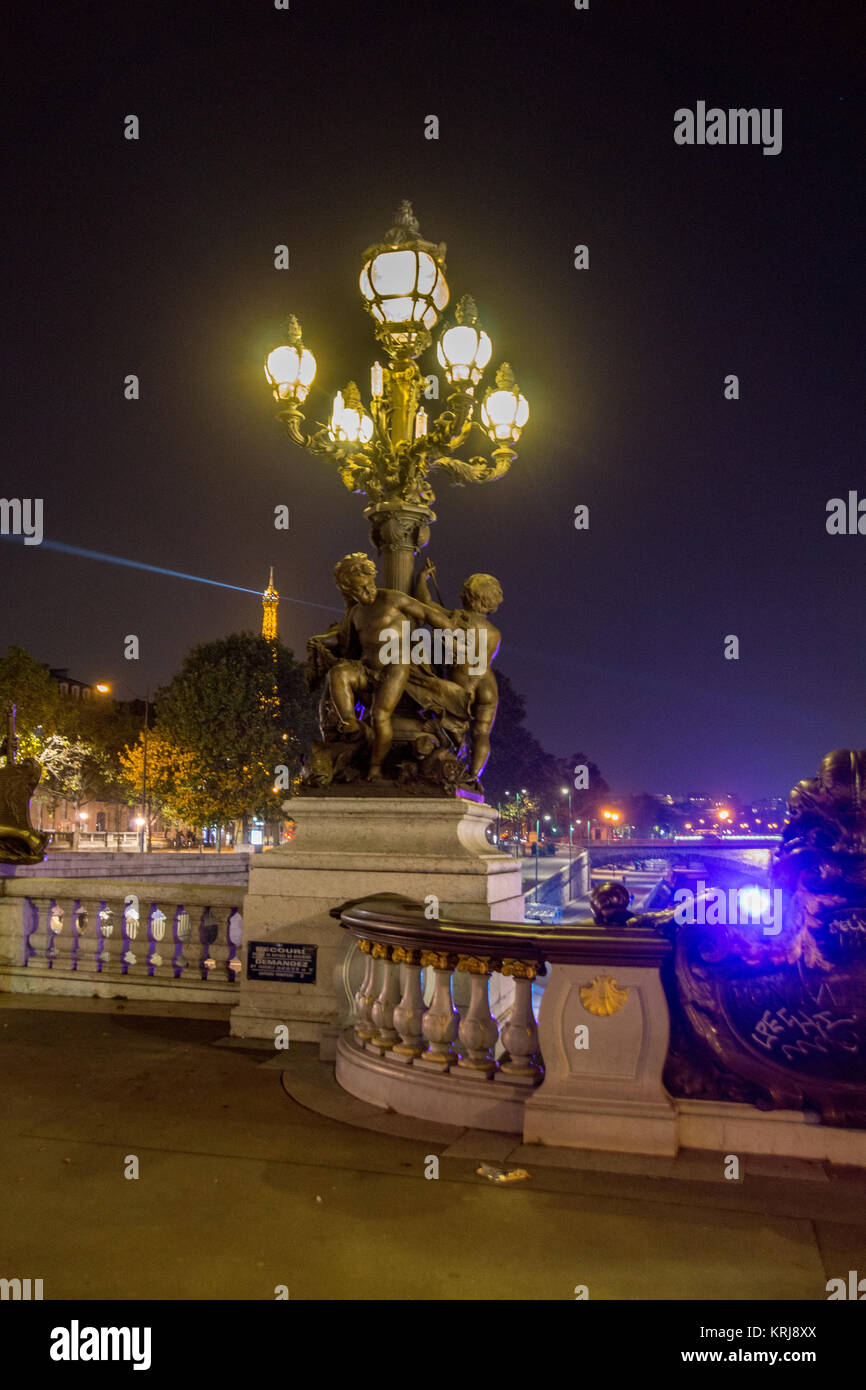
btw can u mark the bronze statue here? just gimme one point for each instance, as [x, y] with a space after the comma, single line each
[481, 594]
[821, 862]
[372, 612]
[778, 1018]
[386, 716]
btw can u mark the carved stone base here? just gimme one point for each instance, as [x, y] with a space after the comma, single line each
[346, 848]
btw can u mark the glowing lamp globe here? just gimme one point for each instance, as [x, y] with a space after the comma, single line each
[403, 285]
[504, 411]
[350, 423]
[464, 350]
[290, 369]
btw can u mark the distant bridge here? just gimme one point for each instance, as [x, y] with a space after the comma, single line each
[728, 851]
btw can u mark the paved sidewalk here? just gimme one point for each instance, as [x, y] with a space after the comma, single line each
[243, 1188]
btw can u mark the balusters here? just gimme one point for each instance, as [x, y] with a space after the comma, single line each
[171, 947]
[219, 950]
[89, 936]
[183, 932]
[207, 935]
[130, 932]
[41, 937]
[388, 998]
[29, 931]
[478, 1030]
[155, 961]
[364, 995]
[520, 1034]
[439, 1024]
[234, 964]
[78, 959]
[409, 1013]
[53, 953]
[64, 916]
[122, 936]
[163, 935]
[398, 1024]
[106, 919]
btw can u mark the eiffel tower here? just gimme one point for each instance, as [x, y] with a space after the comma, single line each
[270, 603]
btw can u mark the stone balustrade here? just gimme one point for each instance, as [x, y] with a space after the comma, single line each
[411, 1047]
[109, 839]
[137, 940]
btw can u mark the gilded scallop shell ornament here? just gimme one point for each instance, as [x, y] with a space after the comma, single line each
[603, 996]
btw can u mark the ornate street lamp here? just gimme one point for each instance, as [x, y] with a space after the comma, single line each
[290, 369]
[504, 411]
[465, 349]
[386, 452]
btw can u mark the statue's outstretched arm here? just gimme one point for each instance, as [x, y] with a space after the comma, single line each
[422, 593]
[425, 612]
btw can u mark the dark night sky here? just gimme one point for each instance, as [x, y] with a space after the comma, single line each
[707, 517]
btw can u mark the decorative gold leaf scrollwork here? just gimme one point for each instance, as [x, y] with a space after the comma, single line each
[437, 960]
[402, 955]
[476, 965]
[519, 969]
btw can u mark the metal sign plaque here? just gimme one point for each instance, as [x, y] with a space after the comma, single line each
[278, 960]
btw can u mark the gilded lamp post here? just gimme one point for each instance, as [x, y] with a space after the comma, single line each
[387, 449]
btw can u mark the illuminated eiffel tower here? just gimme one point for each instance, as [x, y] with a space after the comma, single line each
[270, 603]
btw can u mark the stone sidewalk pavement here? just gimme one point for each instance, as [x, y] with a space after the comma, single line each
[250, 1177]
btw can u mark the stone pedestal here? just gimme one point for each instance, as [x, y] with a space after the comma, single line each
[348, 847]
[608, 1094]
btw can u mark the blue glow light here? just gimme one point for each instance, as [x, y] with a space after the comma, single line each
[752, 902]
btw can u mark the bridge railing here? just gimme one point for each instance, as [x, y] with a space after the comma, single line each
[457, 1064]
[137, 939]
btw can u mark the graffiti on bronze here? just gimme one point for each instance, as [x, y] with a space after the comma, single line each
[773, 991]
[802, 1033]
[813, 1025]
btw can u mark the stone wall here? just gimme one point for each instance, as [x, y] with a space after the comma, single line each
[232, 867]
[559, 890]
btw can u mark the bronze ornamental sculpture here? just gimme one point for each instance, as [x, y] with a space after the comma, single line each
[387, 718]
[779, 1020]
[404, 724]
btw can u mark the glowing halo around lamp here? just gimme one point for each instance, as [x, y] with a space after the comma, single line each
[464, 350]
[403, 285]
[290, 368]
[504, 411]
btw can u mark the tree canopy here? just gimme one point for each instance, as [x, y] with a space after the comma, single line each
[237, 711]
[78, 742]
